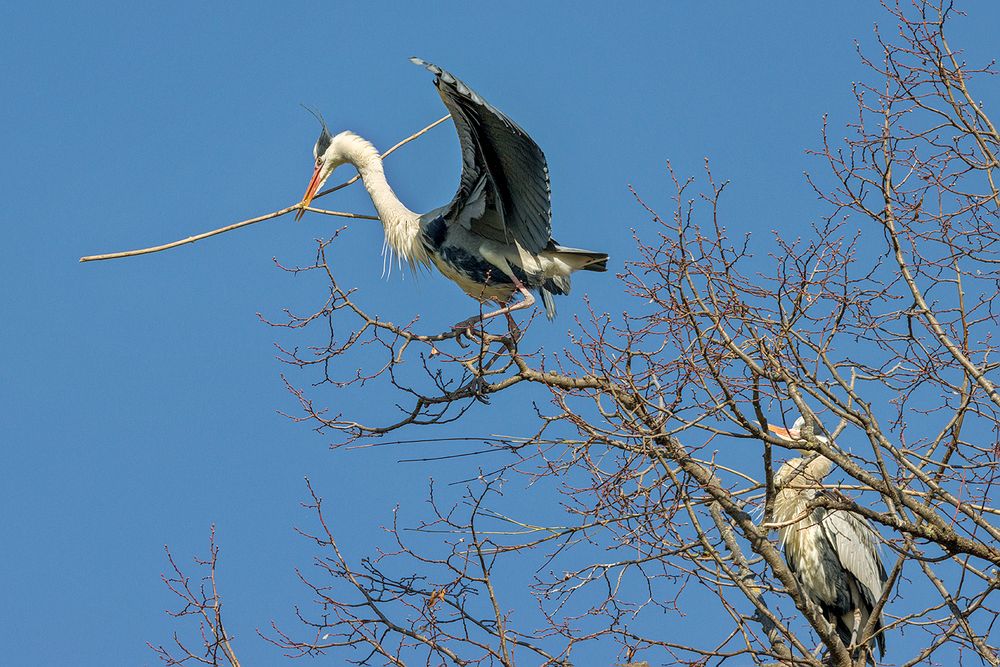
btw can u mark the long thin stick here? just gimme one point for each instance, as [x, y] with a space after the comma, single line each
[269, 216]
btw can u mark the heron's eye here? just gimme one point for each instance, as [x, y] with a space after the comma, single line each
[319, 162]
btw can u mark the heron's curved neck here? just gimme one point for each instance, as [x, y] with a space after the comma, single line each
[798, 487]
[816, 470]
[804, 473]
[402, 226]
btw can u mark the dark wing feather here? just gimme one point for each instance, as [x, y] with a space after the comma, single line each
[504, 191]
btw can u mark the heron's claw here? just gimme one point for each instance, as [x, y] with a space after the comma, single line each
[464, 328]
[479, 390]
[462, 331]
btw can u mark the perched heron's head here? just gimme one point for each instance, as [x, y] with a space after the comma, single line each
[810, 469]
[795, 432]
[328, 154]
[788, 433]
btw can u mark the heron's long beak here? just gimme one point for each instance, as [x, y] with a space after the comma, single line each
[314, 184]
[783, 432]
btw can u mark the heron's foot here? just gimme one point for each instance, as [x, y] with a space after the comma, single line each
[465, 328]
[478, 386]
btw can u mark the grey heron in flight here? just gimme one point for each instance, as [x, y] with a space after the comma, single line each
[494, 239]
[834, 553]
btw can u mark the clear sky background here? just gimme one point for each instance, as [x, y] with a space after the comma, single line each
[139, 400]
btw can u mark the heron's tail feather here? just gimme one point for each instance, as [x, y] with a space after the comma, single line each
[550, 303]
[585, 260]
[569, 259]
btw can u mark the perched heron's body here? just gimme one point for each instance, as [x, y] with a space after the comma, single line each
[834, 553]
[494, 238]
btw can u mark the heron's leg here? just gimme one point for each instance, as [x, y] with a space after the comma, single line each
[526, 302]
[515, 330]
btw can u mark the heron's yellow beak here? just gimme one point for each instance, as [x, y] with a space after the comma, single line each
[783, 432]
[314, 184]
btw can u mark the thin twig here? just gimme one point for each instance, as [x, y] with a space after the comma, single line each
[386, 154]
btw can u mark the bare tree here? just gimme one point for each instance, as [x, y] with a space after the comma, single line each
[878, 320]
[202, 602]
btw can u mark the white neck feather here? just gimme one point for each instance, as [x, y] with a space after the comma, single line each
[799, 483]
[817, 469]
[402, 226]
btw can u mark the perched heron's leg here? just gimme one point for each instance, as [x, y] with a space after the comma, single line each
[515, 330]
[526, 302]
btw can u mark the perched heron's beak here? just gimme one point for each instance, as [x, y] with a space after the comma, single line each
[314, 184]
[783, 432]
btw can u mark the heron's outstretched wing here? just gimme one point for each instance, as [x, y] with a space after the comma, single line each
[504, 191]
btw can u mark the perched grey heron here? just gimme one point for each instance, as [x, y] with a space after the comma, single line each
[494, 238]
[834, 553]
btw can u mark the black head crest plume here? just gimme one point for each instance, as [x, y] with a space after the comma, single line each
[319, 150]
[324, 134]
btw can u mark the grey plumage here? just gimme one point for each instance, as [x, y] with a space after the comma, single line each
[494, 238]
[853, 542]
[834, 553]
[503, 195]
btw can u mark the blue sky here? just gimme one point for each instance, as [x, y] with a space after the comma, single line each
[140, 397]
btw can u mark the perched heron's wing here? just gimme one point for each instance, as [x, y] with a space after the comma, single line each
[504, 191]
[858, 550]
